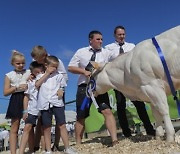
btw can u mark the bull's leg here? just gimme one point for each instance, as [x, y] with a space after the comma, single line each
[159, 122]
[158, 99]
[163, 109]
[170, 132]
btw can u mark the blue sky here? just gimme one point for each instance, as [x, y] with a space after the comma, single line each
[62, 26]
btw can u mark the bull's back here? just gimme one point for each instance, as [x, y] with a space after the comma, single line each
[146, 66]
[141, 66]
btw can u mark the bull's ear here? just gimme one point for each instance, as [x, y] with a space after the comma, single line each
[97, 66]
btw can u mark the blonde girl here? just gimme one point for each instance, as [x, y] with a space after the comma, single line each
[15, 85]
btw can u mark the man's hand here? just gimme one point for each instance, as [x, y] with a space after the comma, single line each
[87, 73]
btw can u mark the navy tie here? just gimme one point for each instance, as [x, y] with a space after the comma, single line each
[121, 49]
[93, 57]
[90, 67]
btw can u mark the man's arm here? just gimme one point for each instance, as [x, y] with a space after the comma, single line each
[77, 70]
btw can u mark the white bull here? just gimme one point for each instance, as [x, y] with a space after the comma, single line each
[140, 75]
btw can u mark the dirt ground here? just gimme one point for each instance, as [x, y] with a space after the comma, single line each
[138, 144]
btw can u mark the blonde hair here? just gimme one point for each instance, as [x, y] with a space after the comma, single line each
[52, 60]
[16, 54]
[38, 51]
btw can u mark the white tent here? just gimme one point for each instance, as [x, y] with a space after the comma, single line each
[70, 116]
[3, 119]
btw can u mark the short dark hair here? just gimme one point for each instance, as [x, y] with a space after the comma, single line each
[91, 34]
[51, 60]
[34, 65]
[118, 27]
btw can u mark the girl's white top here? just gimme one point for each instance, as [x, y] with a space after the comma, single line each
[17, 78]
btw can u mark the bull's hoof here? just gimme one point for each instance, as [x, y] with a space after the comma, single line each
[159, 138]
[159, 131]
[177, 137]
[170, 138]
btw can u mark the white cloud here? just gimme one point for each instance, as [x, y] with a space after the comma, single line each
[64, 53]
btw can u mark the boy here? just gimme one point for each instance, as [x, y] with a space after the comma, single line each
[50, 102]
[30, 113]
[39, 54]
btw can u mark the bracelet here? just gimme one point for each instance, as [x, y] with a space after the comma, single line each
[25, 111]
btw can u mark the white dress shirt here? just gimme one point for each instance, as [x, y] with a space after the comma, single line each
[62, 70]
[82, 57]
[114, 47]
[47, 96]
[33, 93]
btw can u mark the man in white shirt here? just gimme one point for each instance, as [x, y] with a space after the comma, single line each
[80, 64]
[120, 47]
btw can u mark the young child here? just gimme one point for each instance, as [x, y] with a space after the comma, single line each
[31, 112]
[15, 85]
[39, 54]
[49, 102]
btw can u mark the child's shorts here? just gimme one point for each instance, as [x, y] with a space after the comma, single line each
[31, 119]
[58, 112]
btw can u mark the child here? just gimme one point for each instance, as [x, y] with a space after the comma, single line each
[49, 102]
[15, 85]
[39, 54]
[39, 143]
[31, 112]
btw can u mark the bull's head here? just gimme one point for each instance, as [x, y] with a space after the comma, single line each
[98, 67]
